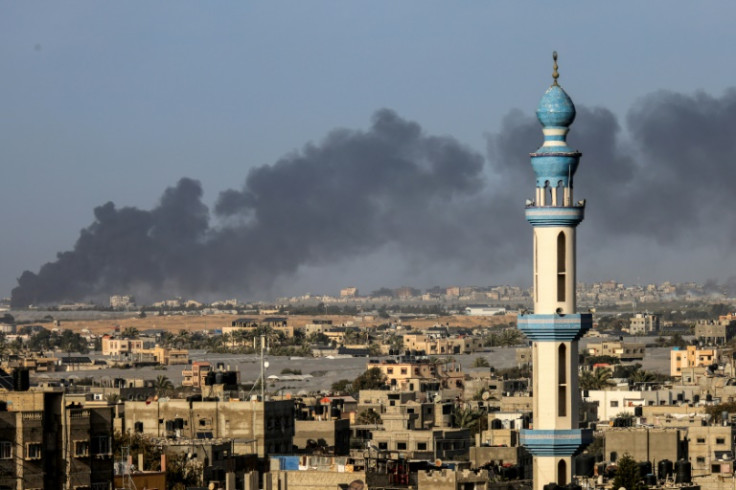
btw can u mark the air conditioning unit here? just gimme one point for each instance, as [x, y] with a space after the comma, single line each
[98, 397]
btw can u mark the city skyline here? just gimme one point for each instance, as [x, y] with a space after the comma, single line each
[101, 105]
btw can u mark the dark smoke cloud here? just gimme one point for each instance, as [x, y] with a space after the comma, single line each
[666, 182]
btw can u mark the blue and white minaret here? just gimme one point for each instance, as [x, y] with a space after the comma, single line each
[555, 327]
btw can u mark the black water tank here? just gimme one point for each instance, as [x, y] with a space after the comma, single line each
[645, 467]
[584, 464]
[709, 397]
[218, 378]
[696, 398]
[683, 471]
[651, 480]
[664, 469]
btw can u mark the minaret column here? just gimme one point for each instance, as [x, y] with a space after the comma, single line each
[555, 328]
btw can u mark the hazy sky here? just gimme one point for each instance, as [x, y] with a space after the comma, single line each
[117, 101]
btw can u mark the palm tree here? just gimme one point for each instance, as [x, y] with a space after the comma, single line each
[163, 385]
[597, 379]
[466, 418]
[641, 376]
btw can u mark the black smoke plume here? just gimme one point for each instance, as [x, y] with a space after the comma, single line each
[666, 184]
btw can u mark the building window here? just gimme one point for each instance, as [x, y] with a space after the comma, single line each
[401, 446]
[33, 450]
[81, 448]
[403, 370]
[614, 456]
[389, 370]
[701, 440]
[700, 459]
[383, 446]
[6, 450]
[421, 446]
[101, 445]
[138, 427]
[614, 403]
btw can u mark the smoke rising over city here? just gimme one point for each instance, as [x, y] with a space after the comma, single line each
[663, 185]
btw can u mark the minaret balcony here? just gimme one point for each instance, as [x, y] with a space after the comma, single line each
[554, 327]
[556, 442]
[555, 215]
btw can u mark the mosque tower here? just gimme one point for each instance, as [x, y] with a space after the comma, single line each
[555, 327]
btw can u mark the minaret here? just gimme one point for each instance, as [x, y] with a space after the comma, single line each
[555, 327]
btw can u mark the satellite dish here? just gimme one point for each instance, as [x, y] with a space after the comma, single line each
[266, 364]
[485, 395]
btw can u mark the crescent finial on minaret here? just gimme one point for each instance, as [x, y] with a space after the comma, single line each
[555, 74]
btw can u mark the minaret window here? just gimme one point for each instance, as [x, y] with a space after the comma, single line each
[562, 472]
[561, 267]
[547, 194]
[562, 381]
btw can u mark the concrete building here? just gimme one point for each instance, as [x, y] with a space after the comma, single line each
[711, 332]
[448, 479]
[708, 446]
[416, 373]
[449, 345]
[47, 442]
[196, 374]
[118, 346]
[613, 402]
[643, 324]
[401, 434]
[624, 351]
[555, 327]
[690, 357]
[644, 444]
[256, 427]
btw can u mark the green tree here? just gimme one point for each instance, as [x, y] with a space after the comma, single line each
[466, 418]
[163, 385]
[597, 379]
[627, 474]
[138, 444]
[368, 417]
[371, 379]
[480, 362]
[130, 333]
[342, 386]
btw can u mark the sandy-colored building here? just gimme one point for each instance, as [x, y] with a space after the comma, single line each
[408, 373]
[625, 351]
[256, 427]
[690, 357]
[196, 374]
[118, 346]
[431, 345]
[401, 435]
[47, 442]
[643, 444]
[708, 446]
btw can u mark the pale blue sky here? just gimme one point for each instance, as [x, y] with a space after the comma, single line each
[117, 100]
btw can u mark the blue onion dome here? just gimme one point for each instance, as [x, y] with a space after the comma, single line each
[556, 108]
